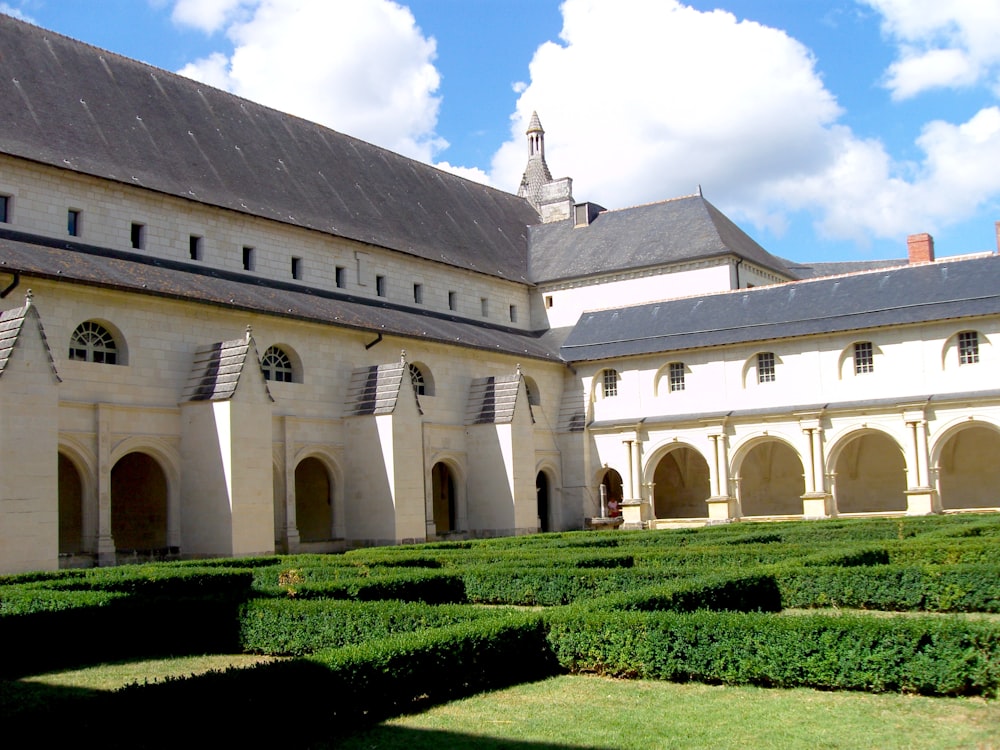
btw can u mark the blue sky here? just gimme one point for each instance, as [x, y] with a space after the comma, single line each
[828, 129]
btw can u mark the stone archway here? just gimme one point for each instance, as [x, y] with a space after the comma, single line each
[771, 480]
[543, 489]
[70, 507]
[444, 498]
[870, 475]
[681, 485]
[139, 504]
[968, 470]
[611, 481]
[314, 515]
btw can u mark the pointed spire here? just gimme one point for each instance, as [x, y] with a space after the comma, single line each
[536, 173]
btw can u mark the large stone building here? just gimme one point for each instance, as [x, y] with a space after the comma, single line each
[227, 331]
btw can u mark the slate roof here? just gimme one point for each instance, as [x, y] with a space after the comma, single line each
[492, 400]
[11, 326]
[909, 294]
[132, 272]
[375, 389]
[838, 267]
[73, 106]
[673, 231]
[216, 371]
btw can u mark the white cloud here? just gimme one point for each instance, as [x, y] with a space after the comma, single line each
[941, 44]
[207, 15]
[361, 67]
[638, 112]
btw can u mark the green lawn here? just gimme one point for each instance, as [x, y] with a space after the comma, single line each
[581, 711]
[596, 712]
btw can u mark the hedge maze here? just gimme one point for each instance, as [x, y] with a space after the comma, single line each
[902, 604]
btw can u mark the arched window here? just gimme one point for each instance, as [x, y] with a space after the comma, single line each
[531, 388]
[423, 381]
[92, 342]
[277, 365]
[417, 378]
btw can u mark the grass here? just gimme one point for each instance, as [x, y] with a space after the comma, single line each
[583, 711]
[597, 712]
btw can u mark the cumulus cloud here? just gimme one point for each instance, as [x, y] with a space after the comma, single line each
[641, 112]
[941, 44]
[363, 67]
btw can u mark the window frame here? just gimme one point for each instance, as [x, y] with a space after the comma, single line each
[864, 358]
[609, 382]
[968, 348]
[94, 342]
[277, 366]
[767, 372]
[74, 222]
[675, 377]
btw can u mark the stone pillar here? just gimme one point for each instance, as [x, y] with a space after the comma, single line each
[816, 502]
[722, 505]
[105, 542]
[921, 498]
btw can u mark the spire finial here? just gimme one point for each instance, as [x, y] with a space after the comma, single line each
[249, 332]
[28, 297]
[402, 356]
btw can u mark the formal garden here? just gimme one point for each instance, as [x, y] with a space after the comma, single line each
[309, 649]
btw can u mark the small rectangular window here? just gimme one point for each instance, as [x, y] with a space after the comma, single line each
[296, 267]
[5, 203]
[380, 288]
[418, 293]
[676, 376]
[452, 300]
[138, 237]
[73, 226]
[968, 348]
[864, 358]
[484, 307]
[248, 259]
[765, 367]
[609, 383]
[513, 313]
[194, 247]
[548, 300]
[340, 276]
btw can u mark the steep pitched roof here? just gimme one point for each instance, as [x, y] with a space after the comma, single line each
[896, 296]
[11, 328]
[73, 106]
[492, 400]
[375, 390]
[217, 369]
[60, 260]
[673, 231]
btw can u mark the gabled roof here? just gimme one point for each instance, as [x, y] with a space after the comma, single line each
[492, 400]
[11, 329]
[921, 293]
[375, 390]
[74, 262]
[217, 369]
[673, 231]
[73, 106]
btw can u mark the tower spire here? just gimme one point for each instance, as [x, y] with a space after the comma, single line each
[536, 173]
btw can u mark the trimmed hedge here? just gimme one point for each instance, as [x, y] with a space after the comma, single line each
[289, 627]
[549, 586]
[340, 688]
[928, 655]
[952, 588]
[753, 592]
[412, 585]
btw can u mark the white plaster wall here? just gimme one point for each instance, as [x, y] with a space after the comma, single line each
[41, 197]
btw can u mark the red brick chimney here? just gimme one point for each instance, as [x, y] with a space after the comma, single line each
[920, 247]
